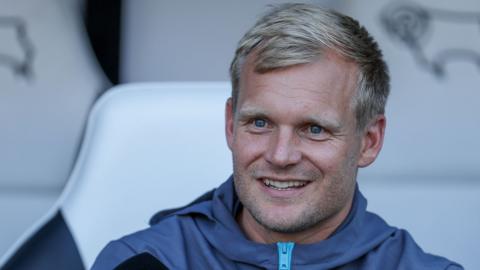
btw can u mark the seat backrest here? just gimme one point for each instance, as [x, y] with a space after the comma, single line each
[147, 147]
[49, 80]
[44, 99]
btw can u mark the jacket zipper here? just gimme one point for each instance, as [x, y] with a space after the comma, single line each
[285, 255]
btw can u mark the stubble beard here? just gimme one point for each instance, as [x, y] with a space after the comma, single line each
[312, 213]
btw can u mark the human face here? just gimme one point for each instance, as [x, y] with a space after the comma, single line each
[296, 148]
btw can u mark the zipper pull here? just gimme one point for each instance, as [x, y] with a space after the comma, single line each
[285, 255]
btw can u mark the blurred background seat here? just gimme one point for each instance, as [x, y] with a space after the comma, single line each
[49, 79]
[147, 147]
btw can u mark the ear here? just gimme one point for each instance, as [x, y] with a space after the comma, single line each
[229, 121]
[372, 141]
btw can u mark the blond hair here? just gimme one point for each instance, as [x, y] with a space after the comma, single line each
[292, 34]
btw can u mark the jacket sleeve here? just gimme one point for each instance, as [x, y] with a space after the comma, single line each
[112, 255]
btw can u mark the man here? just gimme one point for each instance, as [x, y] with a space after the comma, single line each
[307, 110]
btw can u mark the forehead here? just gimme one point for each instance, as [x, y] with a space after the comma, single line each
[324, 86]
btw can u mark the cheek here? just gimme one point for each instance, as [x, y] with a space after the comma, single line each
[326, 156]
[334, 159]
[247, 148]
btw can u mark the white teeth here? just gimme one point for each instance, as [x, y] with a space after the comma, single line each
[283, 184]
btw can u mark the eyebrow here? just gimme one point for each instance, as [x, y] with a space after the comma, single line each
[246, 113]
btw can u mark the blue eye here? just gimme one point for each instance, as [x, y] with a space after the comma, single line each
[260, 123]
[314, 129]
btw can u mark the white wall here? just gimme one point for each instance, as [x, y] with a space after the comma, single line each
[185, 40]
[433, 123]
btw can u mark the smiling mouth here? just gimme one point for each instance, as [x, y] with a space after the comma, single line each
[284, 185]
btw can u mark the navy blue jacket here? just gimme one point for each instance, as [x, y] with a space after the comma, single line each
[205, 235]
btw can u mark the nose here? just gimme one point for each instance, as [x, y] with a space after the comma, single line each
[283, 149]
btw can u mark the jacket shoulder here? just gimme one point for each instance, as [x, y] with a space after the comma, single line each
[114, 253]
[400, 251]
[150, 240]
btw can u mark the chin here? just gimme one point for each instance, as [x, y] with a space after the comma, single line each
[287, 228]
[282, 220]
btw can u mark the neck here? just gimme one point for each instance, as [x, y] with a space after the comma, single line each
[320, 231]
